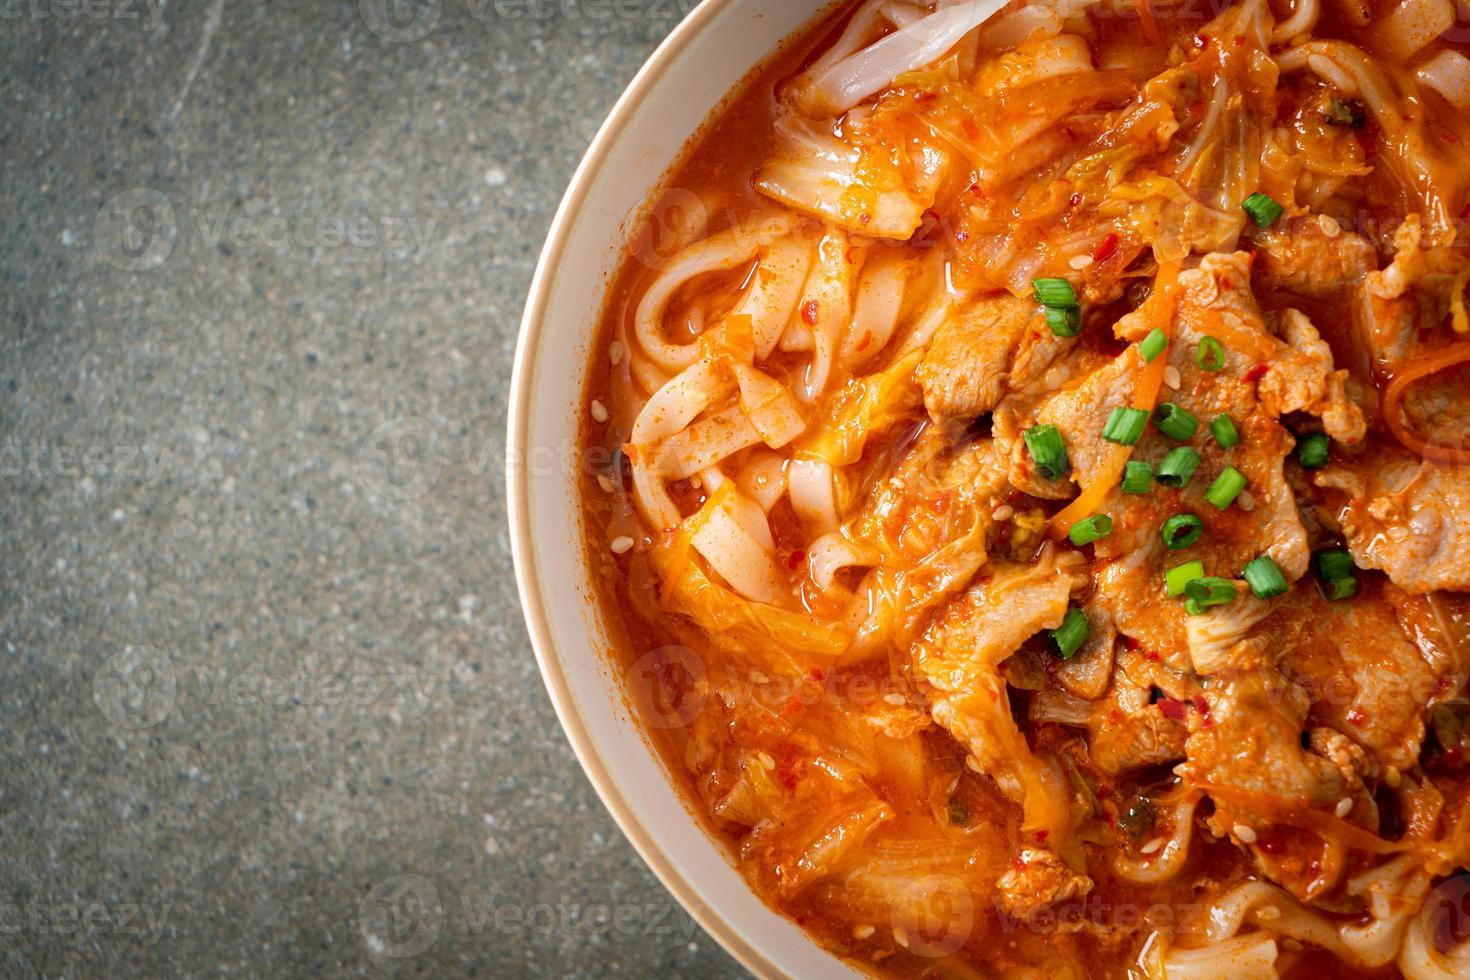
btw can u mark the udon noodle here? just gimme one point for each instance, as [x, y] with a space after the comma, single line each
[1037, 524]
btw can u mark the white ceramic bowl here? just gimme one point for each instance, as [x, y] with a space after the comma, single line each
[686, 79]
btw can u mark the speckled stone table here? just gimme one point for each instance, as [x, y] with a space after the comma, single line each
[267, 706]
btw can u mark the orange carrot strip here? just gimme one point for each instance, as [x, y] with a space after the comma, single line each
[1393, 398]
[1162, 304]
[1085, 504]
[1146, 20]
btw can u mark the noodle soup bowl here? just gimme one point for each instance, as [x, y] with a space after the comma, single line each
[685, 81]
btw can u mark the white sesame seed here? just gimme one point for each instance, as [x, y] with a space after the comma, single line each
[696, 482]
[1246, 835]
[1344, 807]
[1246, 501]
[1171, 377]
[607, 484]
[1080, 262]
[759, 677]
[863, 932]
[1392, 777]
[1329, 226]
[895, 699]
[766, 760]
[1152, 846]
[973, 766]
[901, 936]
[621, 544]
[1268, 913]
[1003, 513]
[599, 411]
[615, 352]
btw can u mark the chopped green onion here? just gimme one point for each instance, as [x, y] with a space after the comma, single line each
[1064, 321]
[1125, 426]
[1206, 592]
[1226, 488]
[1262, 209]
[1153, 345]
[1175, 422]
[1176, 578]
[1182, 530]
[1335, 570]
[1313, 450]
[1090, 529]
[1264, 577]
[1178, 467]
[1191, 607]
[1138, 476]
[1346, 112]
[1054, 292]
[1073, 632]
[1225, 432]
[1138, 820]
[1334, 564]
[1209, 355]
[1047, 450]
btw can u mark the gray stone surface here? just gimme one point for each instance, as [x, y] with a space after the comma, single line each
[266, 702]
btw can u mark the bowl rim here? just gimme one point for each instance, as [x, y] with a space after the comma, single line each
[538, 626]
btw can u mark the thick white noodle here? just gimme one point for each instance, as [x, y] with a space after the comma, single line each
[1248, 957]
[670, 410]
[723, 251]
[829, 290]
[769, 406]
[1410, 26]
[1303, 18]
[813, 493]
[705, 444]
[736, 541]
[763, 478]
[645, 373]
[879, 302]
[775, 291]
[1448, 73]
[1394, 891]
[833, 552]
[1168, 861]
[679, 402]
